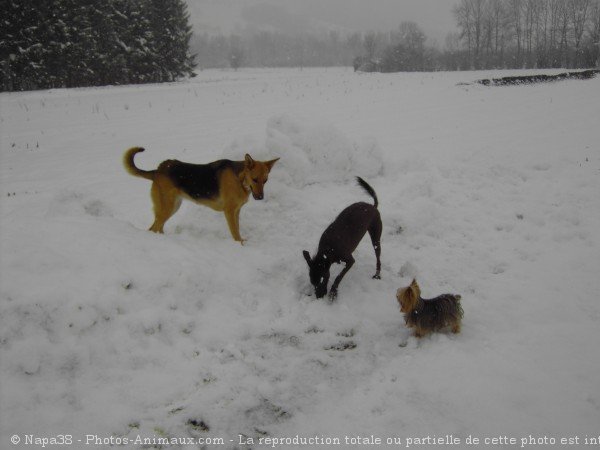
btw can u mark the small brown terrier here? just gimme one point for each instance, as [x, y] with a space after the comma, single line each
[429, 315]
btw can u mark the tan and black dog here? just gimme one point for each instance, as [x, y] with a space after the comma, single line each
[222, 185]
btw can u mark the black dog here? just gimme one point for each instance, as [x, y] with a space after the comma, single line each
[341, 238]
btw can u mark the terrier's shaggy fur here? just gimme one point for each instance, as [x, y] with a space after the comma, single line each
[429, 315]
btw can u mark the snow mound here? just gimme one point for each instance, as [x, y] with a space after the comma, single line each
[319, 152]
[312, 151]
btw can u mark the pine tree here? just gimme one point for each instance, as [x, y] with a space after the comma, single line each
[68, 43]
[20, 49]
[169, 23]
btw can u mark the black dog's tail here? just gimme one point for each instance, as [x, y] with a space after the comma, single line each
[369, 190]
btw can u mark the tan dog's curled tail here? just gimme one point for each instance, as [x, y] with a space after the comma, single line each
[132, 168]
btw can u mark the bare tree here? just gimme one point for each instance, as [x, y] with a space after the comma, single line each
[473, 11]
[370, 43]
[496, 21]
[531, 16]
[579, 11]
[407, 49]
[236, 52]
[515, 9]
[453, 56]
[464, 19]
[593, 45]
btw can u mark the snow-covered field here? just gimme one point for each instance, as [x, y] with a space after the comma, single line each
[112, 332]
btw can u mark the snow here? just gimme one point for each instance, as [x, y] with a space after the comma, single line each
[492, 193]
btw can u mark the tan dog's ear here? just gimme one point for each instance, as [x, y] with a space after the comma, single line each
[249, 161]
[271, 163]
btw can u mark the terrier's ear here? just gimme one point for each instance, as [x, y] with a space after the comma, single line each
[414, 288]
[307, 258]
[249, 161]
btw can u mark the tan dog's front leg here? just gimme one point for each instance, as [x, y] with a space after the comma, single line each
[237, 223]
[232, 215]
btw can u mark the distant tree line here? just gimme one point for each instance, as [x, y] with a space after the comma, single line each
[71, 43]
[401, 49]
[525, 34]
[499, 34]
[275, 49]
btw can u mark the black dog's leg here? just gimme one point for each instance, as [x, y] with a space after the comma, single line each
[375, 233]
[349, 263]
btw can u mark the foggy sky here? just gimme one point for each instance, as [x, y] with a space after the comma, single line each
[226, 16]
